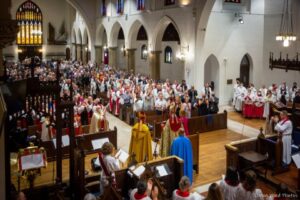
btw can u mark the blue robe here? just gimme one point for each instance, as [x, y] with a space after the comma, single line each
[182, 147]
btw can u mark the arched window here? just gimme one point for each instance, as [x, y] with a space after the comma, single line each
[168, 54]
[30, 22]
[140, 4]
[120, 6]
[144, 52]
[169, 2]
[103, 8]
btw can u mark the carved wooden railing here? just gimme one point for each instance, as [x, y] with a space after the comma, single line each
[286, 64]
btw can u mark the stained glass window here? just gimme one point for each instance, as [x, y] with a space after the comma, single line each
[140, 4]
[30, 22]
[120, 6]
[103, 8]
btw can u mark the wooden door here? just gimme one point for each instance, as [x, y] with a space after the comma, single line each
[245, 71]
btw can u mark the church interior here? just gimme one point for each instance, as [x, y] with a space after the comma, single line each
[149, 99]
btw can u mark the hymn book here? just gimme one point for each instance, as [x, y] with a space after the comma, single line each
[65, 141]
[122, 156]
[296, 159]
[137, 171]
[97, 144]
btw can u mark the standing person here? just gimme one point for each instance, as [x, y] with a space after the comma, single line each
[160, 104]
[285, 128]
[230, 184]
[182, 147]
[109, 164]
[140, 142]
[247, 190]
[170, 132]
[193, 95]
[184, 120]
[235, 91]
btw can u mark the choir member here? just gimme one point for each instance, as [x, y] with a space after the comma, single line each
[229, 184]
[109, 164]
[144, 191]
[183, 193]
[247, 190]
[214, 192]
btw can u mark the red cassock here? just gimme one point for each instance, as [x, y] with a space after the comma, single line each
[248, 107]
[258, 110]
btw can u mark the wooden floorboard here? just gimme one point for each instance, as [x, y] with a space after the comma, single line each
[252, 122]
[212, 157]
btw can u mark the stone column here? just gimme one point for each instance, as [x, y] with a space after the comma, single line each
[131, 60]
[113, 57]
[98, 54]
[84, 53]
[78, 51]
[154, 62]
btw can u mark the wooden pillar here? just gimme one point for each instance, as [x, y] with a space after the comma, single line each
[155, 64]
[113, 57]
[8, 33]
[98, 54]
[131, 60]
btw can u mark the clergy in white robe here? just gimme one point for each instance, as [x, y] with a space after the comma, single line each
[285, 128]
[45, 129]
[94, 127]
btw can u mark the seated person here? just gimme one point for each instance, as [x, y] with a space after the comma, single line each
[144, 191]
[214, 192]
[230, 184]
[183, 193]
[247, 190]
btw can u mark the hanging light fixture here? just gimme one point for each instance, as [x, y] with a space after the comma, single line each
[286, 33]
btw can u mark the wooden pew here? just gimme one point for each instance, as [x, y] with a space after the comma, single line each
[269, 145]
[170, 182]
[195, 140]
[200, 124]
[83, 141]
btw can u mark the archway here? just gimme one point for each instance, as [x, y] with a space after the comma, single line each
[245, 70]
[211, 73]
[171, 67]
[138, 48]
[101, 51]
[117, 53]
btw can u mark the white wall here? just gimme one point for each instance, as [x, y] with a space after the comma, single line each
[174, 70]
[141, 65]
[272, 20]
[230, 41]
